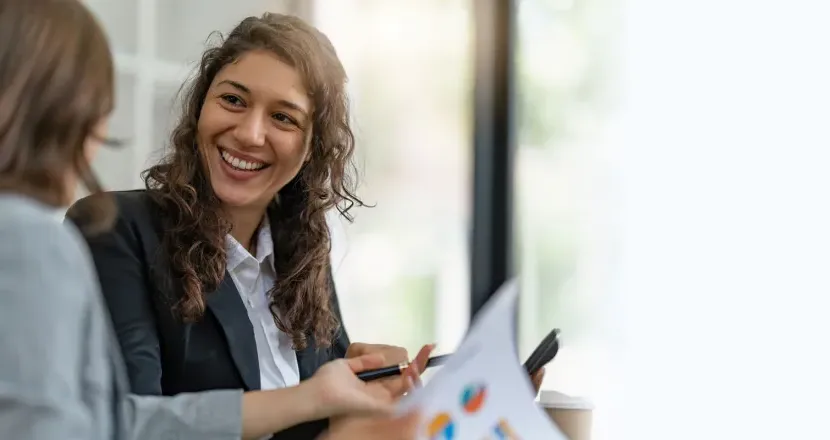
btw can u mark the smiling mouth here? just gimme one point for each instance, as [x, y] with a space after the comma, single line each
[241, 164]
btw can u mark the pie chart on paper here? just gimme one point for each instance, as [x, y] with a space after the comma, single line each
[441, 427]
[472, 398]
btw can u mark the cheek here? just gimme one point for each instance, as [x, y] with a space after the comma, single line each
[91, 150]
[291, 149]
[203, 127]
[212, 122]
[208, 128]
[290, 153]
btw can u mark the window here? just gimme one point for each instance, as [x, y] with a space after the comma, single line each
[402, 267]
[562, 186]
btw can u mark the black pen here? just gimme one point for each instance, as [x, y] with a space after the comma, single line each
[395, 370]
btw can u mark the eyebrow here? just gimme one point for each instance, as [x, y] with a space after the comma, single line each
[283, 102]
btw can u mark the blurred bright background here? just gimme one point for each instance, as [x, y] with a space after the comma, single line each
[671, 187]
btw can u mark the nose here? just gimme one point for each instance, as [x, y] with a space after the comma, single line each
[250, 132]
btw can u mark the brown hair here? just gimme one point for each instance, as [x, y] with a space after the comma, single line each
[195, 227]
[56, 84]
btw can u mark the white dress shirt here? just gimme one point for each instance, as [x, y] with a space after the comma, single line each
[253, 277]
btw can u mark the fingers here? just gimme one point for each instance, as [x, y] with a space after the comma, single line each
[398, 386]
[537, 379]
[411, 379]
[392, 355]
[411, 376]
[366, 362]
[356, 349]
[422, 357]
[417, 367]
[539, 375]
[395, 355]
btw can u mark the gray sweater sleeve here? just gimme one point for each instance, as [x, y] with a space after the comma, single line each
[213, 415]
[59, 376]
[45, 304]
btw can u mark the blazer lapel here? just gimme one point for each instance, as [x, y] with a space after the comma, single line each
[227, 306]
[308, 360]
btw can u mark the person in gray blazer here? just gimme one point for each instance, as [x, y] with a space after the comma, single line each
[61, 372]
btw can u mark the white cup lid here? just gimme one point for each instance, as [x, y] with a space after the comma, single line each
[555, 399]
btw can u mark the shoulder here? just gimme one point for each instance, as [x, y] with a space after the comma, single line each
[134, 205]
[37, 247]
[137, 213]
[25, 221]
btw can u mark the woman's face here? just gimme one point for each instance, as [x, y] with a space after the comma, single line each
[252, 129]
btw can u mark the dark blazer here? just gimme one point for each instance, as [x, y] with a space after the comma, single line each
[165, 356]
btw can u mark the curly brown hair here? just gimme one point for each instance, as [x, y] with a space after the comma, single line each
[196, 226]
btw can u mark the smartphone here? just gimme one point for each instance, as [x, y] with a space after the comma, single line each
[544, 353]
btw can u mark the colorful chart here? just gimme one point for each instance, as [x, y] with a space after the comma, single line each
[472, 398]
[441, 427]
[503, 431]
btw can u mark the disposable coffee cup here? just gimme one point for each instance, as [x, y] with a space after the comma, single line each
[573, 415]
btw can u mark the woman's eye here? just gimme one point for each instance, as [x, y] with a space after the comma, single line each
[282, 117]
[232, 100]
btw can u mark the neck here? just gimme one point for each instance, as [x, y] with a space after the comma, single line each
[245, 223]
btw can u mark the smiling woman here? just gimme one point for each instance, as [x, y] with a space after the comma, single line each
[217, 275]
[252, 130]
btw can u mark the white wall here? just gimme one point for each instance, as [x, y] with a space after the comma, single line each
[722, 165]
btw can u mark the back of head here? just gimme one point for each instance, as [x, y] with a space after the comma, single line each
[56, 85]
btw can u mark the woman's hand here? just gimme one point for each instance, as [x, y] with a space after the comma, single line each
[375, 428]
[393, 387]
[336, 391]
[392, 355]
[333, 392]
[536, 378]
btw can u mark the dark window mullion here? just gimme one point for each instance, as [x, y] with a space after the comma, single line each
[494, 145]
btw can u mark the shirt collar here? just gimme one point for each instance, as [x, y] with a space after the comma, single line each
[264, 247]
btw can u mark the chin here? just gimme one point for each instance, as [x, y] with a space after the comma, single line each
[235, 192]
[233, 197]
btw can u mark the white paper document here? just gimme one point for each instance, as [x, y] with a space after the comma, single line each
[482, 392]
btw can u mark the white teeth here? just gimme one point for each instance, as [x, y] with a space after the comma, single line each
[241, 164]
